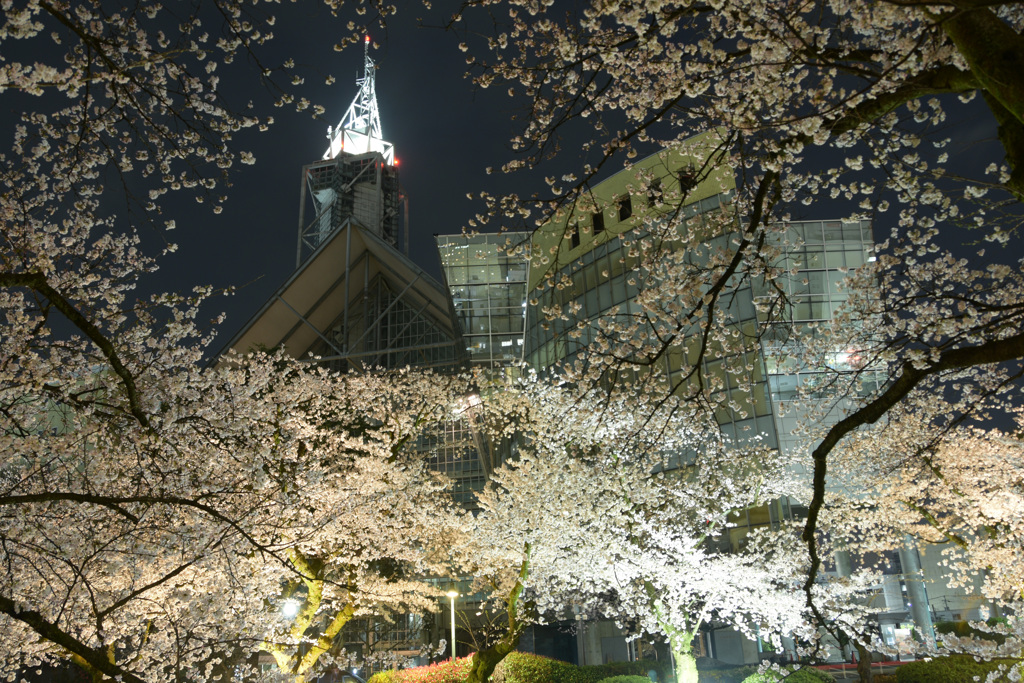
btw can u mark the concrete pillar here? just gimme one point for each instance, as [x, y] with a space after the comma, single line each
[916, 594]
[581, 640]
[843, 563]
[789, 649]
[844, 567]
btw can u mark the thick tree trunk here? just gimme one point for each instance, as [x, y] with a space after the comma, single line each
[484, 661]
[686, 665]
[863, 663]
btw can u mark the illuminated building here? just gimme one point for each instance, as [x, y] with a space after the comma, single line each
[590, 260]
[488, 290]
[355, 301]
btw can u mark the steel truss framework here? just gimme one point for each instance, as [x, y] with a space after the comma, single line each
[361, 187]
[357, 303]
[359, 130]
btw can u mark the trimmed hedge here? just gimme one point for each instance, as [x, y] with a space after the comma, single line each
[638, 667]
[807, 674]
[733, 674]
[522, 667]
[442, 672]
[950, 669]
[626, 679]
[748, 674]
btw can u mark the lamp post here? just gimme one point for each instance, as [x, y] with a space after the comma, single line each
[451, 597]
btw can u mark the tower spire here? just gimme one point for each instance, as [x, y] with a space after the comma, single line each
[359, 131]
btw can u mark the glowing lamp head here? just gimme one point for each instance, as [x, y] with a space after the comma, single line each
[290, 608]
[452, 594]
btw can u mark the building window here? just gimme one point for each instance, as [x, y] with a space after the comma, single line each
[687, 179]
[574, 238]
[598, 222]
[654, 193]
[625, 207]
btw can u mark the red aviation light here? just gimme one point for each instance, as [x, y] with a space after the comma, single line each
[396, 162]
[366, 39]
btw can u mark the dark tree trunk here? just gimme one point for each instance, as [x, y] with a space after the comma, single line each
[484, 661]
[864, 663]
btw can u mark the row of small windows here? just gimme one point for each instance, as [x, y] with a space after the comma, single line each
[800, 385]
[503, 346]
[499, 321]
[820, 232]
[484, 248]
[481, 297]
[624, 210]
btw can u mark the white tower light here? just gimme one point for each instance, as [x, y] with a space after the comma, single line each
[359, 131]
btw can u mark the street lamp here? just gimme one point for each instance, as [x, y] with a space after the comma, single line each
[451, 596]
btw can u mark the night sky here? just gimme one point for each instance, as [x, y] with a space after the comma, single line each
[444, 129]
[445, 132]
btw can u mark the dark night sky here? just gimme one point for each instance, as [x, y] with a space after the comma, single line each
[445, 132]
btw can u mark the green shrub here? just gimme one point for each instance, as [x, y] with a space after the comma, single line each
[950, 669]
[727, 675]
[963, 629]
[627, 679]
[522, 667]
[599, 672]
[805, 675]
[442, 672]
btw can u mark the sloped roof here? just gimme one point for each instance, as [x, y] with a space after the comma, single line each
[313, 299]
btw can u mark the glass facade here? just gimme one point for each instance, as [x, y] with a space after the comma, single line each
[600, 274]
[603, 283]
[450, 449]
[815, 261]
[589, 267]
[384, 331]
[820, 252]
[488, 290]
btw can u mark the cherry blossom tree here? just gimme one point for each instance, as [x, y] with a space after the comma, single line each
[612, 511]
[155, 513]
[391, 527]
[805, 103]
[958, 488]
[161, 550]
